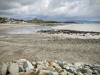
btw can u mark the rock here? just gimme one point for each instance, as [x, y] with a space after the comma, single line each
[46, 64]
[82, 70]
[87, 74]
[69, 64]
[39, 62]
[79, 73]
[56, 66]
[34, 63]
[21, 69]
[63, 72]
[89, 70]
[28, 66]
[67, 67]
[97, 66]
[55, 73]
[50, 68]
[72, 69]
[78, 65]
[36, 70]
[41, 66]
[60, 62]
[29, 73]
[85, 70]
[44, 72]
[14, 68]
[21, 73]
[68, 73]
[0, 70]
[22, 60]
[18, 67]
[4, 69]
[64, 66]
[15, 61]
[16, 74]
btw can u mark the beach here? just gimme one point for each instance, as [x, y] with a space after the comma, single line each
[40, 46]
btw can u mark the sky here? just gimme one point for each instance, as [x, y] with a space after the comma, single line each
[59, 10]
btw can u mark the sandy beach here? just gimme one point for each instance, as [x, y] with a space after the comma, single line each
[4, 26]
[47, 47]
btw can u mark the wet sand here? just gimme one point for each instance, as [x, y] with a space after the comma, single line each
[4, 26]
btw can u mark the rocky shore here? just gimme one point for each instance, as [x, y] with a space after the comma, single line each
[68, 32]
[56, 67]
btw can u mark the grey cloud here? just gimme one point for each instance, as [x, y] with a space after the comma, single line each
[8, 4]
[50, 8]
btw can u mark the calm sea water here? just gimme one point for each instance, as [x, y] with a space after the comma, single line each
[24, 30]
[33, 29]
[80, 27]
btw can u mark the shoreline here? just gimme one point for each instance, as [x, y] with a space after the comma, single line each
[5, 26]
[48, 47]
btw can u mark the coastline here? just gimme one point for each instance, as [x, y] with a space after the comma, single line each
[47, 47]
[5, 26]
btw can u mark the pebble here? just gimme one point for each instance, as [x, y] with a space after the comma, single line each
[24, 67]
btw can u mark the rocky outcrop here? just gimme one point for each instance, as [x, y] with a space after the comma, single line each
[82, 33]
[24, 67]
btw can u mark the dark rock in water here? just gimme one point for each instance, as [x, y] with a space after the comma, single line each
[68, 32]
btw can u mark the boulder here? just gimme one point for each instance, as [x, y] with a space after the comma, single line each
[79, 73]
[50, 68]
[29, 73]
[4, 69]
[55, 73]
[89, 70]
[14, 68]
[87, 74]
[60, 62]
[68, 73]
[28, 66]
[21, 73]
[34, 63]
[46, 64]
[21, 69]
[39, 62]
[64, 66]
[63, 72]
[16, 74]
[55, 65]
[44, 72]
[41, 66]
[78, 65]
[22, 60]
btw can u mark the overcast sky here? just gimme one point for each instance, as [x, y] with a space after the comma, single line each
[60, 10]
